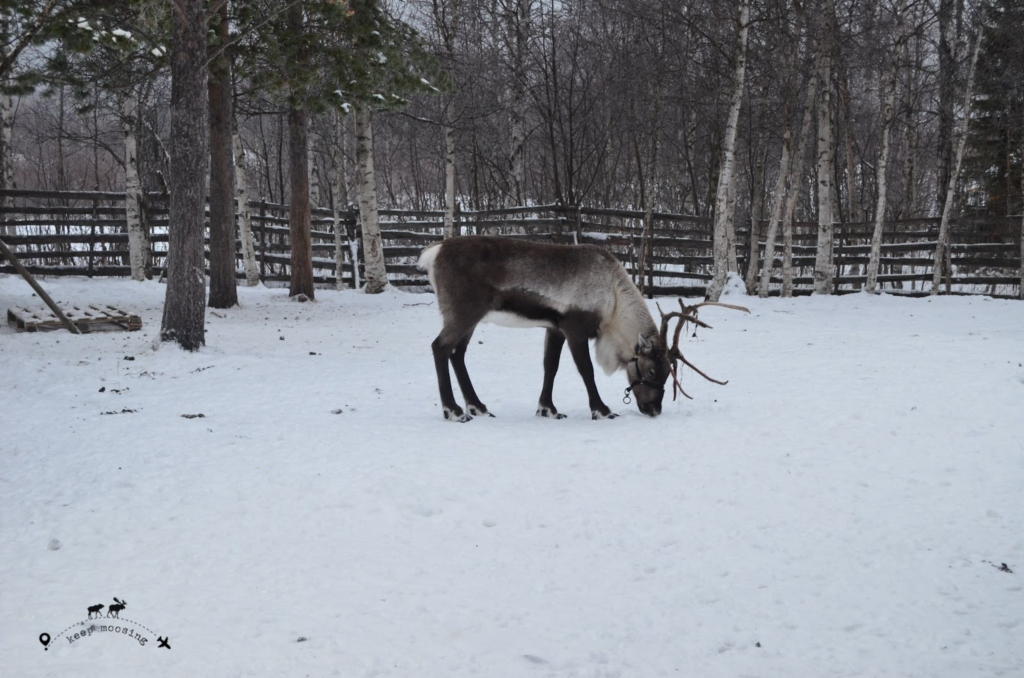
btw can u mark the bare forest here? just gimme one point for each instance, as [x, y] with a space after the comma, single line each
[599, 102]
[755, 115]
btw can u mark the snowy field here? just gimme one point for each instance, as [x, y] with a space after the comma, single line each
[842, 508]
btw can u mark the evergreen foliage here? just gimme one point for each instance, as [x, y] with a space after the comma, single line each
[997, 158]
[347, 54]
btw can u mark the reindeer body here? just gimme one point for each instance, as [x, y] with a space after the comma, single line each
[577, 293]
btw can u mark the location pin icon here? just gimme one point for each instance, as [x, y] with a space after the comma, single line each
[44, 638]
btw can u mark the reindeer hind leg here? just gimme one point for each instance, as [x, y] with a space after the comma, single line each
[458, 359]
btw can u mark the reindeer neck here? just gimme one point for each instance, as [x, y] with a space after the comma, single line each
[617, 344]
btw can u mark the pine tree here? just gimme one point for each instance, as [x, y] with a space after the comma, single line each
[325, 55]
[993, 169]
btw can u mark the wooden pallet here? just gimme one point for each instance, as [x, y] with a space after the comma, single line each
[87, 319]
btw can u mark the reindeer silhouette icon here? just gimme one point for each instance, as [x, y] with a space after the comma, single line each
[116, 609]
[95, 609]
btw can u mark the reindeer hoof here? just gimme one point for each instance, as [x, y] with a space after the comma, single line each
[549, 413]
[479, 411]
[456, 415]
[608, 414]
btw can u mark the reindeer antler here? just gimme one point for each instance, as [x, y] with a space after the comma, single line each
[687, 314]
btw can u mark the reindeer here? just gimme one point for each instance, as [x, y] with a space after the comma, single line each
[94, 609]
[578, 293]
[116, 609]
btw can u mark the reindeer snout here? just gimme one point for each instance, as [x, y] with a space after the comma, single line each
[651, 410]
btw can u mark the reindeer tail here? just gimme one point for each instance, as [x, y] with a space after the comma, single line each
[427, 256]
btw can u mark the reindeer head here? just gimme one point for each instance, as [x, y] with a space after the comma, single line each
[647, 373]
[655, 360]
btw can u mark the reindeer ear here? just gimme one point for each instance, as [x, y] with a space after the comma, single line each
[643, 344]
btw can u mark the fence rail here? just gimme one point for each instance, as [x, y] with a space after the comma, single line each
[85, 233]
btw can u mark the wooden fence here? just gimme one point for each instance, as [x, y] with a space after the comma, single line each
[85, 233]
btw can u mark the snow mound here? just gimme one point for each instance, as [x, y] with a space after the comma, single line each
[734, 286]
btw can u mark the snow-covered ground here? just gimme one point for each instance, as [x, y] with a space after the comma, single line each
[842, 508]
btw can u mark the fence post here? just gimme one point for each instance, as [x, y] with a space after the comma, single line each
[263, 239]
[949, 262]
[838, 276]
[356, 251]
[92, 234]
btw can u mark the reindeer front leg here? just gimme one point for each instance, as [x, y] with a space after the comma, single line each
[553, 342]
[580, 349]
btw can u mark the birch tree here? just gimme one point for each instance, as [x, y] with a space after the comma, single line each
[249, 263]
[780, 197]
[961, 141]
[723, 219]
[887, 90]
[517, 16]
[138, 240]
[948, 14]
[795, 187]
[446, 20]
[366, 184]
[823, 268]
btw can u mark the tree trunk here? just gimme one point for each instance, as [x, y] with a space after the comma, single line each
[852, 205]
[301, 261]
[787, 238]
[185, 300]
[6, 155]
[795, 188]
[779, 196]
[947, 77]
[756, 204]
[373, 249]
[252, 267]
[889, 92]
[223, 286]
[947, 205]
[298, 207]
[138, 242]
[908, 197]
[823, 269]
[340, 203]
[730, 231]
[519, 27]
[449, 172]
[723, 219]
[314, 178]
